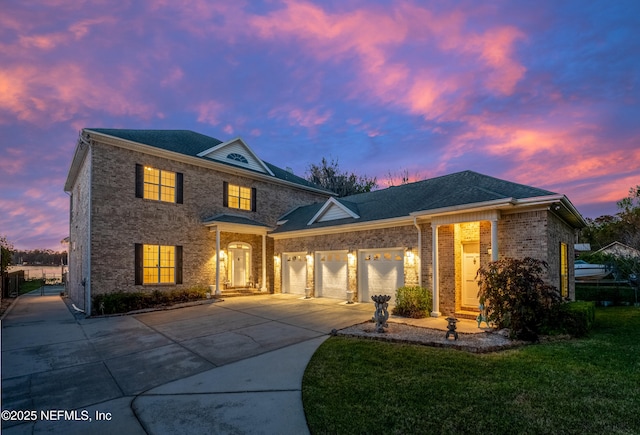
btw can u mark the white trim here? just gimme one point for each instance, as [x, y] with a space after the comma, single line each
[489, 215]
[335, 229]
[236, 228]
[497, 204]
[198, 161]
[218, 147]
[332, 202]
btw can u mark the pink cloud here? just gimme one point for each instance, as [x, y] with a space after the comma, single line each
[371, 37]
[309, 118]
[209, 112]
[59, 92]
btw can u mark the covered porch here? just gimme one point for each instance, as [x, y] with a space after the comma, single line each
[460, 245]
[240, 257]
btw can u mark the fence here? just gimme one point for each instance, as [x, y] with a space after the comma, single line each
[11, 283]
[607, 293]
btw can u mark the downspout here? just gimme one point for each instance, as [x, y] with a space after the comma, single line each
[415, 224]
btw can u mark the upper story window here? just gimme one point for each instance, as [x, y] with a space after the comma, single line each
[240, 197]
[158, 184]
[237, 157]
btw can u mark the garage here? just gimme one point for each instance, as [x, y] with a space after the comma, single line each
[294, 273]
[331, 274]
[381, 272]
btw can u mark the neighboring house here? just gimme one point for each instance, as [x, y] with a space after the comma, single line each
[154, 210]
[618, 249]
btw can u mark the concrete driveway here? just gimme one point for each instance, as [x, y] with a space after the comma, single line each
[233, 366]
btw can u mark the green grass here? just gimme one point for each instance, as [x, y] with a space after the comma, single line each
[30, 285]
[581, 386]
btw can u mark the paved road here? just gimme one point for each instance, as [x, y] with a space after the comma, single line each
[233, 366]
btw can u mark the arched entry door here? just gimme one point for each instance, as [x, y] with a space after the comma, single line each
[239, 264]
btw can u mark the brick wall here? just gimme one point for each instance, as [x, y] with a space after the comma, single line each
[120, 220]
[78, 276]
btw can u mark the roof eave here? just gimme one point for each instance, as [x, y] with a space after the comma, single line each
[200, 161]
[79, 155]
[497, 204]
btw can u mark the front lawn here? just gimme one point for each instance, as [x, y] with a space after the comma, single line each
[588, 385]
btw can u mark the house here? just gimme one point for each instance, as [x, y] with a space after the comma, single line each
[163, 209]
[618, 249]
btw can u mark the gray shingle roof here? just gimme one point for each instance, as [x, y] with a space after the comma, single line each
[461, 188]
[234, 219]
[191, 143]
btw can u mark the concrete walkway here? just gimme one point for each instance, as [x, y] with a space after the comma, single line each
[233, 366]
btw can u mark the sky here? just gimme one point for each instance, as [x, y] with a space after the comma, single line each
[544, 93]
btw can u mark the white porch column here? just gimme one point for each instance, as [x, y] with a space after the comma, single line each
[217, 260]
[494, 240]
[264, 263]
[436, 291]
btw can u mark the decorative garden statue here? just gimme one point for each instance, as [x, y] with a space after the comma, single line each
[451, 328]
[482, 317]
[382, 314]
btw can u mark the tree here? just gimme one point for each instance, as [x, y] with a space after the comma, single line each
[328, 175]
[6, 249]
[624, 227]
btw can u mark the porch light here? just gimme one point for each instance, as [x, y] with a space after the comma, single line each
[309, 257]
[222, 255]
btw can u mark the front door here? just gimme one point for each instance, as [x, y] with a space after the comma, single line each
[470, 266]
[240, 255]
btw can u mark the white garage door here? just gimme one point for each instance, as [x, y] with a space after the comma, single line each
[294, 273]
[382, 273]
[331, 274]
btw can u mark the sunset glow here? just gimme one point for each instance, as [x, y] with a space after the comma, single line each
[542, 93]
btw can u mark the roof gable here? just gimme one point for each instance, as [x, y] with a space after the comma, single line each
[236, 152]
[334, 209]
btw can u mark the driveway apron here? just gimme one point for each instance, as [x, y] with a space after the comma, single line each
[231, 366]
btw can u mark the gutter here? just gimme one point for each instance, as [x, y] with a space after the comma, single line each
[202, 162]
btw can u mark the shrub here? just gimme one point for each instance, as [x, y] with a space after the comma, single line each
[413, 301]
[516, 297]
[123, 302]
[574, 318]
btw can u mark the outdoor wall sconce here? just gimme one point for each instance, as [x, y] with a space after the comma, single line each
[409, 253]
[309, 257]
[222, 255]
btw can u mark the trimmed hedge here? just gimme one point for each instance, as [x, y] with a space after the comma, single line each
[123, 302]
[574, 318]
[413, 301]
